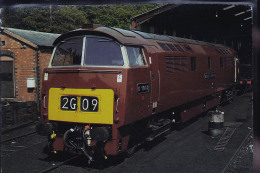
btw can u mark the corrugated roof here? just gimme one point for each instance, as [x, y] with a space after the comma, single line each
[149, 14]
[35, 37]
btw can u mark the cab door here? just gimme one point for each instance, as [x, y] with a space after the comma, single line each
[153, 61]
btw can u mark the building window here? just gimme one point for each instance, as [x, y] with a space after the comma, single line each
[6, 76]
[3, 43]
[209, 63]
[193, 63]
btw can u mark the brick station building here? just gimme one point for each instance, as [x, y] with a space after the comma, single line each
[23, 56]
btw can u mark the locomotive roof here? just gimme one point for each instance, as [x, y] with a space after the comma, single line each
[133, 37]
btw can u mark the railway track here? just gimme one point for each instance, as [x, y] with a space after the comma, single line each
[226, 136]
[225, 170]
[221, 145]
[18, 137]
[59, 164]
[11, 145]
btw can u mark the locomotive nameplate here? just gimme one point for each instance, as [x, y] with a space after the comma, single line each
[81, 105]
[143, 88]
[210, 75]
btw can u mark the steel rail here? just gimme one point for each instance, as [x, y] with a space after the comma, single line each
[59, 164]
[17, 137]
[241, 145]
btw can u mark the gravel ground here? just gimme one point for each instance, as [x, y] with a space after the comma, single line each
[242, 162]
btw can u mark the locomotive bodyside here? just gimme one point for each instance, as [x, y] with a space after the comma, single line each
[106, 87]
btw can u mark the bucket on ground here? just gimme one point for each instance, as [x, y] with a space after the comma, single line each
[216, 123]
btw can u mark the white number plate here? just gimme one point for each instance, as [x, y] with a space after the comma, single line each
[87, 103]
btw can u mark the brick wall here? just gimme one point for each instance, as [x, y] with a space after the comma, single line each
[25, 66]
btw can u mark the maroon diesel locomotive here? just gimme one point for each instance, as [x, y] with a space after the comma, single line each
[107, 89]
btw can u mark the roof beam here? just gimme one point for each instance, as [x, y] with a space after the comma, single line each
[229, 7]
[248, 18]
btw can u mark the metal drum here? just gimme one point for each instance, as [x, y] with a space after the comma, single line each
[216, 123]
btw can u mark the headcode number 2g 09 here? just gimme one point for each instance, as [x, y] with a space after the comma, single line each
[88, 104]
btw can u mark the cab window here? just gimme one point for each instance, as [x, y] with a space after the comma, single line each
[102, 52]
[135, 56]
[68, 52]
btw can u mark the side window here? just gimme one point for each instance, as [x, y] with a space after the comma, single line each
[193, 63]
[188, 48]
[172, 47]
[221, 62]
[209, 63]
[163, 46]
[135, 56]
[179, 47]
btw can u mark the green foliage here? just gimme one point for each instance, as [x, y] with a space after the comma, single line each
[60, 19]
[117, 15]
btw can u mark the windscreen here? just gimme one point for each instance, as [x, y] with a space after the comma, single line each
[103, 52]
[68, 52]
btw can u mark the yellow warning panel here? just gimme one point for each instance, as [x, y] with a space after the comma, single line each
[81, 105]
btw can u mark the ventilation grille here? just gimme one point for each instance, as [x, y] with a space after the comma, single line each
[176, 64]
[228, 62]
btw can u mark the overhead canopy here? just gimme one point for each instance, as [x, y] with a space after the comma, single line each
[227, 24]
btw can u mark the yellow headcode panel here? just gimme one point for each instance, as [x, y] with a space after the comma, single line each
[81, 105]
